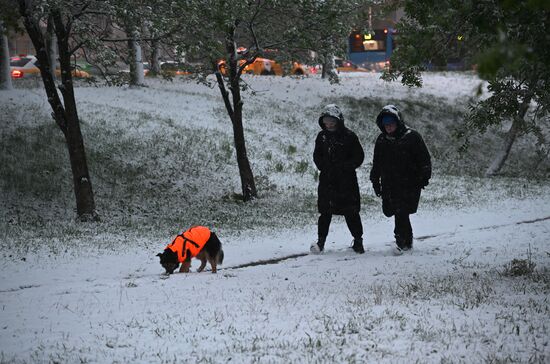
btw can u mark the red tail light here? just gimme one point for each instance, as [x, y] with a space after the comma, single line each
[16, 74]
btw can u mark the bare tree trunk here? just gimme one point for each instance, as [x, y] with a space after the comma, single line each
[248, 184]
[64, 113]
[85, 204]
[247, 178]
[5, 77]
[136, 61]
[329, 69]
[155, 58]
[51, 43]
[509, 140]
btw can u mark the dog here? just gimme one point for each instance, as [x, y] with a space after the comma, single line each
[197, 242]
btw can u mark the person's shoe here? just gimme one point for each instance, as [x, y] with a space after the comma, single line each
[399, 250]
[358, 246]
[402, 245]
[317, 248]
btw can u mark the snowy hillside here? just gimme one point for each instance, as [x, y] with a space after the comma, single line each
[475, 289]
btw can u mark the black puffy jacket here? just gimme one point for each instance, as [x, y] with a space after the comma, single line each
[337, 154]
[401, 166]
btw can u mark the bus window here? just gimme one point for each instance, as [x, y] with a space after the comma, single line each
[374, 45]
[368, 42]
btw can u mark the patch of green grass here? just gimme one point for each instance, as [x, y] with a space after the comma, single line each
[34, 159]
[150, 182]
[301, 167]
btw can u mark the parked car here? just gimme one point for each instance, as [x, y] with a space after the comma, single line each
[83, 65]
[266, 67]
[173, 68]
[24, 66]
[27, 66]
[146, 69]
[343, 65]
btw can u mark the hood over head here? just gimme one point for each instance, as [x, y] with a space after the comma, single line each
[393, 112]
[334, 111]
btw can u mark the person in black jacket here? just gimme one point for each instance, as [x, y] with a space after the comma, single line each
[337, 154]
[401, 167]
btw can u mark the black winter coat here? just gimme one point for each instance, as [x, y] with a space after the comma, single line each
[401, 167]
[337, 154]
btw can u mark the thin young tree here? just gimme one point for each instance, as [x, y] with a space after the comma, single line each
[231, 32]
[5, 77]
[234, 34]
[65, 16]
[8, 23]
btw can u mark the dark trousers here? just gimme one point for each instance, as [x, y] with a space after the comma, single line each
[353, 221]
[403, 230]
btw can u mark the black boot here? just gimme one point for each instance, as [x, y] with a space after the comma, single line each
[403, 243]
[358, 246]
[408, 244]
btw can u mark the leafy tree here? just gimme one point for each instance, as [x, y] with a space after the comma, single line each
[216, 30]
[127, 28]
[236, 33]
[66, 17]
[508, 41]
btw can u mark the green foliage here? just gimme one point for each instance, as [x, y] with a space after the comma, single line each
[9, 16]
[508, 41]
[292, 29]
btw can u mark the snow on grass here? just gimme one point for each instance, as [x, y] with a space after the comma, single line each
[448, 301]
[161, 159]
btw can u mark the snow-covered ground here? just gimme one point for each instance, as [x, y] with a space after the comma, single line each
[450, 300]
[74, 293]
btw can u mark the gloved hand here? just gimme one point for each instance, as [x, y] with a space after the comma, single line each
[377, 189]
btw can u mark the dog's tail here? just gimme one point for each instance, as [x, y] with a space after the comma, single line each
[219, 257]
[214, 248]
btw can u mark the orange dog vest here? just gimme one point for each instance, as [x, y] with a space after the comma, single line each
[192, 241]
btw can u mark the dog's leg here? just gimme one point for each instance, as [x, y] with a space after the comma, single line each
[213, 263]
[202, 257]
[185, 267]
[186, 263]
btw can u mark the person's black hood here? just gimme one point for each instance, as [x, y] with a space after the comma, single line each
[334, 111]
[391, 110]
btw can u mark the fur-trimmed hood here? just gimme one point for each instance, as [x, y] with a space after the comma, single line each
[390, 110]
[334, 111]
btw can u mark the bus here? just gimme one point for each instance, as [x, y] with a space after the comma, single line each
[371, 49]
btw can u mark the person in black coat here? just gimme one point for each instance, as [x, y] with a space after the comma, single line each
[401, 168]
[337, 154]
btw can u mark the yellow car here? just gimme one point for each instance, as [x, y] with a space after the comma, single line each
[265, 67]
[27, 66]
[171, 68]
